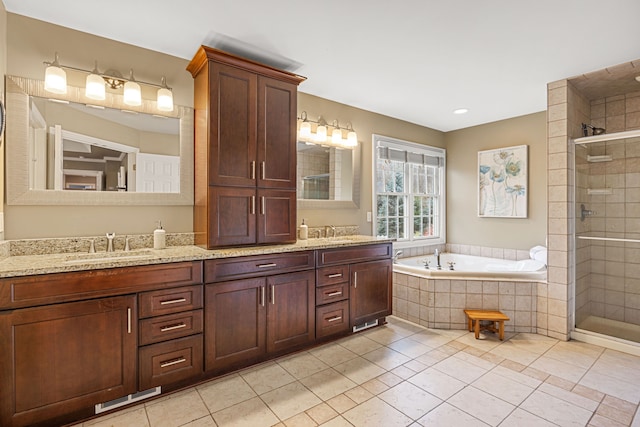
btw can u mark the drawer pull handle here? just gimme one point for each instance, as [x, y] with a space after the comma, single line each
[271, 264]
[173, 362]
[334, 319]
[333, 276]
[173, 301]
[334, 294]
[253, 169]
[173, 327]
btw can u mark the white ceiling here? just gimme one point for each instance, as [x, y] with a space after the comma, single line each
[415, 60]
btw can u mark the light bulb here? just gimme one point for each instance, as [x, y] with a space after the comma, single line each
[165, 99]
[321, 133]
[305, 131]
[336, 137]
[352, 139]
[55, 79]
[132, 95]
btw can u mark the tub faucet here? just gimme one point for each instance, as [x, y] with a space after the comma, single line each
[110, 237]
[436, 254]
[396, 255]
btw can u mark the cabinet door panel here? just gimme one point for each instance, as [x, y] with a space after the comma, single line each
[277, 107]
[233, 218]
[277, 216]
[235, 317]
[291, 310]
[232, 153]
[70, 356]
[370, 297]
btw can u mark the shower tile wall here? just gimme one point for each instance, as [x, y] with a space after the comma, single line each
[610, 271]
[567, 109]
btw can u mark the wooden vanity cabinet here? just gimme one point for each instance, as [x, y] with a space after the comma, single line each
[245, 149]
[268, 310]
[370, 276]
[70, 340]
[65, 358]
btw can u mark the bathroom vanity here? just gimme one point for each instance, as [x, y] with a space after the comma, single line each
[77, 339]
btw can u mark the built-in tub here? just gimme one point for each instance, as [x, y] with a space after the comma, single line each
[468, 267]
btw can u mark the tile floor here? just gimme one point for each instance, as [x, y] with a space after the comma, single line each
[404, 375]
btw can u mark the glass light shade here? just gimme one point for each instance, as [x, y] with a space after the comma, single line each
[94, 87]
[352, 139]
[305, 131]
[55, 80]
[336, 137]
[132, 94]
[165, 99]
[321, 133]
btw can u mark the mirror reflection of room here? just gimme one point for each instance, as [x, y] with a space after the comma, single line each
[83, 148]
[324, 173]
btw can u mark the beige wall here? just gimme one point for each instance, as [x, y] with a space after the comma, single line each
[463, 224]
[29, 43]
[3, 68]
[365, 123]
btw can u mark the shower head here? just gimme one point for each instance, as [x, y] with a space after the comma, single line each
[594, 130]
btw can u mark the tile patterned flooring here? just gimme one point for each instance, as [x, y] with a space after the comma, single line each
[402, 374]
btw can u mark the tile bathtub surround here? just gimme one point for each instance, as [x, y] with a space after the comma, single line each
[440, 303]
[401, 374]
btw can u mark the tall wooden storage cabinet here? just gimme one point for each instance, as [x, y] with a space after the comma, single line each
[245, 151]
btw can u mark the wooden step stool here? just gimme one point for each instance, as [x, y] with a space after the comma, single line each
[489, 315]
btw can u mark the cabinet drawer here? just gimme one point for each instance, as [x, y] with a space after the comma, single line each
[163, 328]
[353, 254]
[167, 301]
[217, 270]
[332, 319]
[332, 293]
[332, 275]
[44, 289]
[170, 361]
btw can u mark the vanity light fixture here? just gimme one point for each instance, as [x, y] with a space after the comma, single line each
[56, 82]
[321, 135]
[55, 78]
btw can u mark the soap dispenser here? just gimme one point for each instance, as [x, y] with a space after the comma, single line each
[159, 237]
[304, 231]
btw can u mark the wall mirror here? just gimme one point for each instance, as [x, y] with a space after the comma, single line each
[328, 177]
[69, 150]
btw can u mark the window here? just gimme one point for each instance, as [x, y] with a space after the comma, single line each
[409, 191]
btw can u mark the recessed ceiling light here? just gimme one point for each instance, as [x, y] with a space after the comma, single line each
[638, 78]
[461, 111]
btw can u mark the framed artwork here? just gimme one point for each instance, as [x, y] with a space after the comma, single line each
[502, 182]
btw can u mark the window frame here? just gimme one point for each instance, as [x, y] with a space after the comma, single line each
[412, 147]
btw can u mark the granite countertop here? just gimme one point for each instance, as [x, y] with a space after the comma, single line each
[26, 265]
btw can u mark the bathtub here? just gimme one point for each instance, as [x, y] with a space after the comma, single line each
[473, 267]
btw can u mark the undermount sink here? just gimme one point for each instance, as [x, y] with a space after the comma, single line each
[107, 256]
[333, 240]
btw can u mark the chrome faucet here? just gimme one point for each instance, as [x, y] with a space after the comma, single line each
[329, 227]
[110, 237]
[436, 254]
[396, 255]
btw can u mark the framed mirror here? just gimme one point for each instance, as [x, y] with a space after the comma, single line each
[69, 150]
[328, 177]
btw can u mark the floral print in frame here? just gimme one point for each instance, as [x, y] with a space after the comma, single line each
[502, 182]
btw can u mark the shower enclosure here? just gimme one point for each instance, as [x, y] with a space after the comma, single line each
[607, 232]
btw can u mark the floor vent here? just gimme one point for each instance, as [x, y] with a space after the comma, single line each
[365, 325]
[126, 400]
